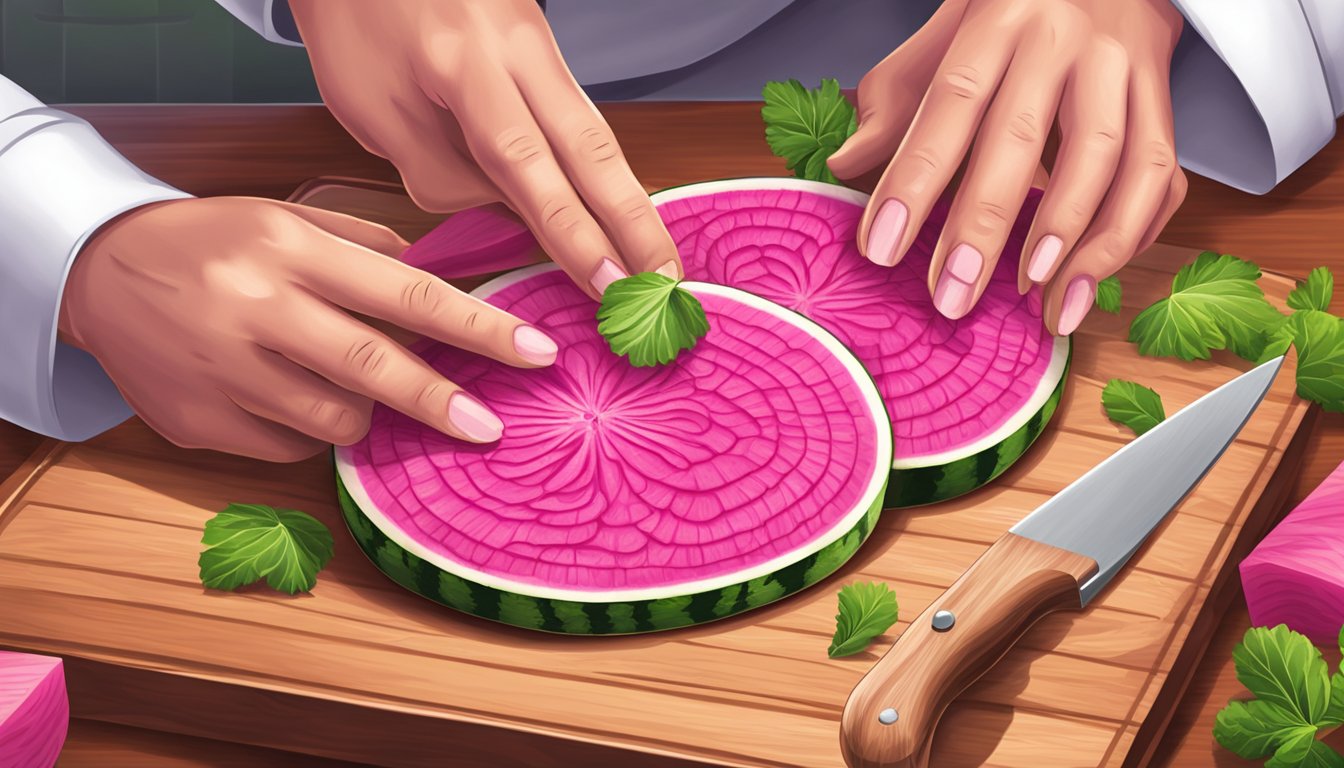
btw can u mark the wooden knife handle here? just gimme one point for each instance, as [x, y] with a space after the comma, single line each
[890, 717]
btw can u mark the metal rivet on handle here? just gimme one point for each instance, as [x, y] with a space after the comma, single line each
[887, 716]
[943, 621]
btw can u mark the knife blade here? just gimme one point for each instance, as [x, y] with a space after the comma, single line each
[1059, 557]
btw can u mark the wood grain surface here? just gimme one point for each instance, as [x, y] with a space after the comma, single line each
[270, 150]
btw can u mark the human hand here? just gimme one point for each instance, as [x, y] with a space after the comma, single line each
[473, 104]
[228, 323]
[1000, 72]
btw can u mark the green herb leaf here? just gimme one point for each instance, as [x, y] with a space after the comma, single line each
[1334, 712]
[1133, 405]
[1283, 668]
[1302, 750]
[867, 609]
[806, 126]
[1319, 338]
[1277, 342]
[1256, 728]
[1214, 304]
[1108, 295]
[1315, 292]
[248, 542]
[650, 318]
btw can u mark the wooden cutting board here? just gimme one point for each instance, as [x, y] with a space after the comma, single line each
[98, 547]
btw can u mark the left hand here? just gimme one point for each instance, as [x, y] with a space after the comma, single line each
[999, 72]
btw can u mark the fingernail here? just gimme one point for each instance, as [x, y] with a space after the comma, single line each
[1043, 258]
[468, 416]
[885, 236]
[1078, 298]
[669, 270]
[606, 273]
[951, 296]
[534, 346]
[965, 264]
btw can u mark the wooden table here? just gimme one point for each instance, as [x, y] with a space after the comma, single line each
[269, 151]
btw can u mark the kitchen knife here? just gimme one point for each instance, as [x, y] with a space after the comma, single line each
[1058, 557]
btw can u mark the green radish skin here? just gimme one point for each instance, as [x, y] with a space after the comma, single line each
[595, 618]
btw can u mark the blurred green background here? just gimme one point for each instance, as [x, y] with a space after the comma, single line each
[140, 51]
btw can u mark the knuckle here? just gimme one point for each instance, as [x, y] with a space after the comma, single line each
[367, 357]
[562, 213]
[519, 145]
[1180, 185]
[431, 397]
[340, 424]
[423, 296]
[634, 209]
[596, 145]
[478, 321]
[989, 217]
[1025, 126]
[1112, 249]
[1160, 155]
[1104, 138]
[963, 82]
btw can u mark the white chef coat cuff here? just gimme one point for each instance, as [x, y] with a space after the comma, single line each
[269, 18]
[59, 182]
[1249, 94]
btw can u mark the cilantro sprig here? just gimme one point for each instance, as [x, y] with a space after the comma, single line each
[867, 609]
[1133, 405]
[249, 542]
[805, 126]
[650, 318]
[1295, 699]
[1108, 295]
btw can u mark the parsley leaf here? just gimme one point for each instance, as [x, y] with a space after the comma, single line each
[248, 542]
[1319, 338]
[649, 318]
[1108, 295]
[1214, 304]
[867, 609]
[1255, 728]
[1302, 750]
[1315, 292]
[806, 126]
[1133, 405]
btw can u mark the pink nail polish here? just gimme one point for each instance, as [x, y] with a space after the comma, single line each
[1043, 258]
[669, 270]
[951, 296]
[467, 415]
[606, 273]
[965, 263]
[534, 346]
[885, 236]
[1078, 298]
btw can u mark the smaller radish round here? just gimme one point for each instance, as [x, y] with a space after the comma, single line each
[625, 499]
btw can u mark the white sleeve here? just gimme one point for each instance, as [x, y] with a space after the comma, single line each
[269, 18]
[1256, 86]
[59, 182]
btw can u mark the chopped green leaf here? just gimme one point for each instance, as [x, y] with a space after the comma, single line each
[806, 126]
[649, 318]
[1108, 295]
[1319, 338]
[1277, 342]
[1214, 304]
[1302, 750]
[248, 542]
[1334, 713]
[1133, 405]
[867, 609]
[1315, 292]
[1256, 728]
[1283, 668]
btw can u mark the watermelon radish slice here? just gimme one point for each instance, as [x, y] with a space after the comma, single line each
[625, 499]
[966, 397]
[34, 710]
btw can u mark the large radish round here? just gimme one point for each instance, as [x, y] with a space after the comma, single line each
[966, 397]
[625, 499]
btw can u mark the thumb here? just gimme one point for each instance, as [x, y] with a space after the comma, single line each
[870, 146]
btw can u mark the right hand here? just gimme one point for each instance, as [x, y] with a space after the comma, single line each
[473, 103]
[230, 323]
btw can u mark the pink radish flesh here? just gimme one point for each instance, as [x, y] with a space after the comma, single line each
[34, 711]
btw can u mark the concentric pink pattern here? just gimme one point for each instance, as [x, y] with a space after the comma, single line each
[946, 383]
[613, 477]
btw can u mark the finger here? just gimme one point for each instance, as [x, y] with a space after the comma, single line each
[934, 147]
[359, 359]
[281, 392]
[1147, 168]
[1092, 124]
[257, 438]
[505, 139]
[1175, 196]
[1007, 155]
[587, 150]
[368, 283]
[375, 237]
[213, 421]
[889, 95]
